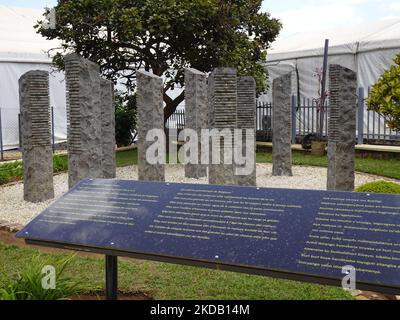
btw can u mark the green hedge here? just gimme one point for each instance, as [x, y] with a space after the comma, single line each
[10, 172]
[380, 187]
[13, 171]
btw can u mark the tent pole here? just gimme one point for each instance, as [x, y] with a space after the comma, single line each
[323, 90]
[1, 140]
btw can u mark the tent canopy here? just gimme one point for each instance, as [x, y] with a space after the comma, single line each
[368, 49]
[19, 41]
[23, 50]
[381, 35]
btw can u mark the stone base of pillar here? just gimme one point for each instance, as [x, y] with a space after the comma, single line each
[222, 174]
[341, 174]
[38, 179]
[195, 171]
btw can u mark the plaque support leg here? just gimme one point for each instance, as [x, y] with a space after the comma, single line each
[111, 278]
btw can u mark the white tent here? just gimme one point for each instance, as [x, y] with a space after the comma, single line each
[22, 50]
[368, 49]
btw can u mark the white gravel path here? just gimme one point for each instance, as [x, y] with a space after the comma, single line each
[14, 209]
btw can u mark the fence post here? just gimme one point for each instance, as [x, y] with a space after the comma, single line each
[361, 107]
[52, 130]
[294, 119]
[1, 140]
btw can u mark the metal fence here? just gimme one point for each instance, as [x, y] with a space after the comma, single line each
[305, 120]
[177, 120]
[9, 122]
[13, 124]
[371, 128]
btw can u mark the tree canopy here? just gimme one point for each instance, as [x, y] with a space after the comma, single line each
[165, 36]
[385, 96]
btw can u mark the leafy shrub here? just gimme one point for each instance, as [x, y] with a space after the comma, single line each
[3, 177]
[125, 120]
[385, 95]
[380, 187]
[10, 172]
[14, 171]
[28, 285]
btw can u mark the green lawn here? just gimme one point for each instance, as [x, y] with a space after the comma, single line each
[386, 168]
[167, 281]
[127, 158]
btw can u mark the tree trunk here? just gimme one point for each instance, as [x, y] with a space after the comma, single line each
[171, 105]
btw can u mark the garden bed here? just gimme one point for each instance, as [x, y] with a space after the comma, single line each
[16, 210]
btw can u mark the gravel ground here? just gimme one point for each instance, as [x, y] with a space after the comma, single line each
[14, 209]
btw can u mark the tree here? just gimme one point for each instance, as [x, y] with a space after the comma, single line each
[125, 119]
[385, 96]
[164, 36]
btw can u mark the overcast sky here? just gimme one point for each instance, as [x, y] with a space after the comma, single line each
[312, 15]
[299, 16]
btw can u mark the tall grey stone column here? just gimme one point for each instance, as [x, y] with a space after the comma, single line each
[108, 129]
[342, 128]
[196, 112]
[84, 119]
[150, 116]
[37, 151]
[222, 87]
[282, 127]
[246, 120]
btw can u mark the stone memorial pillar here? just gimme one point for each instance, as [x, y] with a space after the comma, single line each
[84, 119]
[222, 88]
[108, 129]
[150, 116]
[196, 115]
[282, 127]
[37, 150]
[342, 128]
[246, 120]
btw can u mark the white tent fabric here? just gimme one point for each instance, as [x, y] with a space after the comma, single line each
[23, 50]
[368, 49]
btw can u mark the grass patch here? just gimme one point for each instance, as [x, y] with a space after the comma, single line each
[60, 163]
[13, 171]
[166, 281]
[28, 284]
[127, 158]
[10, 172]
[385, 168]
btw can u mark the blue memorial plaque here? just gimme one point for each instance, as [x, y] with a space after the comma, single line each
[294, 234]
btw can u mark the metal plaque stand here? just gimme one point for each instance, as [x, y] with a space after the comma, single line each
[111, 278]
